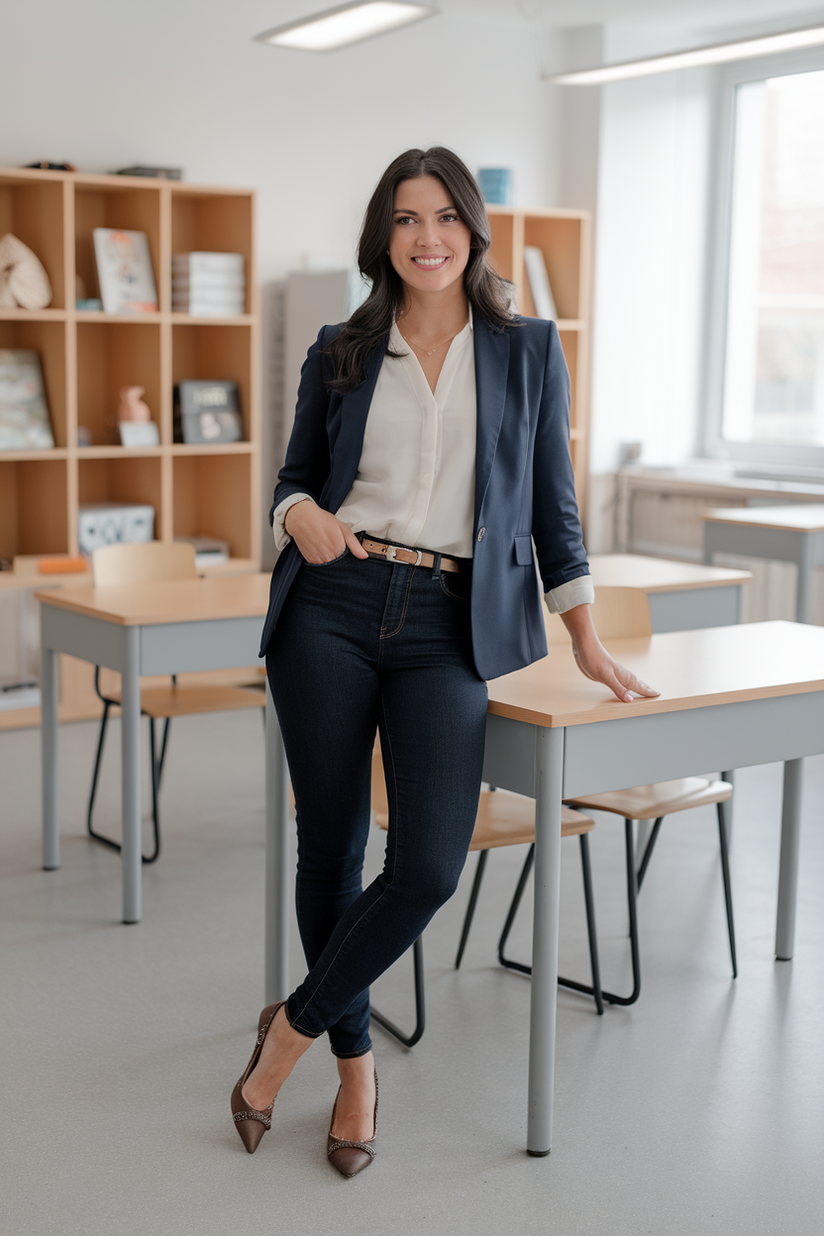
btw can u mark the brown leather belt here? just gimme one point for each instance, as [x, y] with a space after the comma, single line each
[414, 557]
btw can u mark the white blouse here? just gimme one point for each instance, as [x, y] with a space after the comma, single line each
[415, 483]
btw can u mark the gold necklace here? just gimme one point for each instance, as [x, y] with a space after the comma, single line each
[429, 351]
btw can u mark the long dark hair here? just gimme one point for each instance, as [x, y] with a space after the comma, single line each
[489, 294]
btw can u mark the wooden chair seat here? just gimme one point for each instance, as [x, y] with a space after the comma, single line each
[181, 701]
[509, 819]
[648, 802]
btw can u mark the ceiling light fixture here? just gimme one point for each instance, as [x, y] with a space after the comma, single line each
[347, 24]
[719, 53]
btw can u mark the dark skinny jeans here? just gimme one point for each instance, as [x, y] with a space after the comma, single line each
[360, 646]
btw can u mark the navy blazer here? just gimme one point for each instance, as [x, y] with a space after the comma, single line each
[524, 488]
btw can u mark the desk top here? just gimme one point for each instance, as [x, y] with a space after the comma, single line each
[658, 574]
[692, 669]
[176, 600]
[799, 518]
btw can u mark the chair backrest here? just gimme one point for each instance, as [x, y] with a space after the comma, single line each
[618, 613]
[145, 563]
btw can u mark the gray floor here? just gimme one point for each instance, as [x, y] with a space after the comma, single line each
[699, 1110]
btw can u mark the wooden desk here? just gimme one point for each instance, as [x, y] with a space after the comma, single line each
[160, 628]
[788, 533]
[682, 596]
[730, 697]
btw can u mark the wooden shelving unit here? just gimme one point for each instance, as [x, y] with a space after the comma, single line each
[87, 357]
[564, 238]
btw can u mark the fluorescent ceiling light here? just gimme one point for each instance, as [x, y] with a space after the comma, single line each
[719, 53]
[347, 24]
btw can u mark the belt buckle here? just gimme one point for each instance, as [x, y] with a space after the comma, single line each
[392, 553]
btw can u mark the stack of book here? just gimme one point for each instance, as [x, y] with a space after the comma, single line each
[208, 284]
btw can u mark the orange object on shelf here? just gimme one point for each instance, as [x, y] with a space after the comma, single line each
[62, 566]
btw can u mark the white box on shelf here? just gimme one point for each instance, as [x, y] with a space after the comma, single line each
[112, 523]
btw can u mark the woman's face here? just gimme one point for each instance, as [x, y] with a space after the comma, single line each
[429, 244]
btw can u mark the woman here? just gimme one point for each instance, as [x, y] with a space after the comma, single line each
[430, 448]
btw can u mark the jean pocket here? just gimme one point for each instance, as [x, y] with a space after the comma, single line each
[331, 561]
[458, 587]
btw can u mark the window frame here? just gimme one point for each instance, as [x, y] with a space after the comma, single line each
[729, 77]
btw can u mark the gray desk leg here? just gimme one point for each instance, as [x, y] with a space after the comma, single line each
[130, 742]
[276, 948]
[549, 758]
[804, 587]
[788, 863]
[50, 772]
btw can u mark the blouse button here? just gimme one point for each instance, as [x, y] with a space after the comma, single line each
[481, 532]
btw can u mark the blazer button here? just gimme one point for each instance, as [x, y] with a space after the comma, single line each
[481, 532]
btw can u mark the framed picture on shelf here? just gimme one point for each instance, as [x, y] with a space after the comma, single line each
[124, 271]
[24, 413]
[207, 412]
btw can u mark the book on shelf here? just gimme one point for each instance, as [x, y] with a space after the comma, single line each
[203, 262]
[207, 412]
[539, 286]
[24, 413]
[208, 284]
[124, 271]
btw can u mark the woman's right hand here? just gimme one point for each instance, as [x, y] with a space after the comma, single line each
[319, 536]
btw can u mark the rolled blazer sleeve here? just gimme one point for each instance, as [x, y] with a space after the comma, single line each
[556, 526]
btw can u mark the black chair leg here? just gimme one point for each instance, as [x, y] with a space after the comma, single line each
[473, 901]
[101, 738]
[409, 1040]
[156, 769]
[653, 837]
[725, 869]
[589, 902]
[513, 910]
[587, 990]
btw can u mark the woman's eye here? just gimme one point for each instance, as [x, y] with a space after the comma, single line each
[405, 219]
[449, 218]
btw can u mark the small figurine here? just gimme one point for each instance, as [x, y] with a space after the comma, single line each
[132, 407]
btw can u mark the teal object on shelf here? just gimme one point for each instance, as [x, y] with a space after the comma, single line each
[496, 185]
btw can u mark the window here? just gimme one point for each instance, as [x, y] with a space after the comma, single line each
[772, 373]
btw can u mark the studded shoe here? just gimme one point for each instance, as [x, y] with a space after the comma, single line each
[351, 1157]
[250, 1123]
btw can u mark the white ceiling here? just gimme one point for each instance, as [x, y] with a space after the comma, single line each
[691, 14]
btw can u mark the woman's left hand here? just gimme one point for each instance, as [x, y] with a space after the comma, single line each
[594, 661]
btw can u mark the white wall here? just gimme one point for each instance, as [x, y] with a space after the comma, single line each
[180, 82]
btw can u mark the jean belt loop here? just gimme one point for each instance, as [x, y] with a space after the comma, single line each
[436, 567]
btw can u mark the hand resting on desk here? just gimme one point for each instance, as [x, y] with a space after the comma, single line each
[594, 661]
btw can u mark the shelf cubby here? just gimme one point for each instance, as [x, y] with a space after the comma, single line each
[563, 236]
[129, 477]
[111, 355]
[197, 482]
[88, 357]
[33, 506]
[216, 222]
[111, 201]
[215, 353]
[48, 339]
[32, 209]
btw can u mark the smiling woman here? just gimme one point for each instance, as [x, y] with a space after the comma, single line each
[430, 446]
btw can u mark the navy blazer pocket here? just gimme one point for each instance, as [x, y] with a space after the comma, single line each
[523, 549]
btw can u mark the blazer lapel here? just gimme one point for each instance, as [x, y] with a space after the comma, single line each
[491, 367]
[346, 436]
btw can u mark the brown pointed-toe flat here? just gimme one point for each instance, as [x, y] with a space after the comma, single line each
[250, 1123]
[351, 1157]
